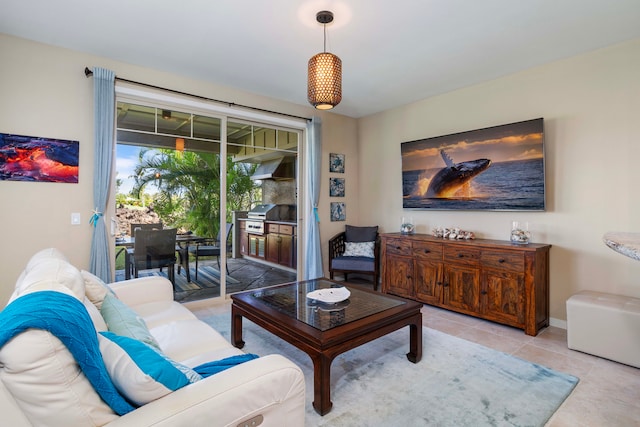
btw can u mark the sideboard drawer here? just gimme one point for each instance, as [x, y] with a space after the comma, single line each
[512, 261]
[461, 255]
[427, 250]
[398, 247]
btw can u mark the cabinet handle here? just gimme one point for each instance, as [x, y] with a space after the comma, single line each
[460, 255]
[398, 247]
[483, 292]
[427, 251]
[501, 260]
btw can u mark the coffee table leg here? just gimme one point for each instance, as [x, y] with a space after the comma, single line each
[236, 328]
[415, 340]
[322, 383]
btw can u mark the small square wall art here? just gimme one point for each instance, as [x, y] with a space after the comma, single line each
[336, 163]
[336, 187]
[338, 211]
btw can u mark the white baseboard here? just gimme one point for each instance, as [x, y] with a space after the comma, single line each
[562, 324]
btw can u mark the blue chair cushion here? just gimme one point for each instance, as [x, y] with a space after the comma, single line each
[206, 250]
[354, 263]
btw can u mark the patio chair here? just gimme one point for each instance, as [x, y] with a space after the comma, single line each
[152, 226]
[355, 250]
[211, 247]
[154, 249]
[132, 233]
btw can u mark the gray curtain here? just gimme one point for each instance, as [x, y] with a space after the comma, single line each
[313, 255]
[103, 113]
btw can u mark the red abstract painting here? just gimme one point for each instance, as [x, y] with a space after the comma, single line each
[29, 158]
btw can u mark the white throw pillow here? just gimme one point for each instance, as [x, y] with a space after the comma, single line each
[95, 288]
[96, 317]
[141, 373]
[364, 249]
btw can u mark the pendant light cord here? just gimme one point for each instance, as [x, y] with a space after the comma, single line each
[325, 37]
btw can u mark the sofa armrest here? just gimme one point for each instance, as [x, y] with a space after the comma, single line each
[271, 386]
[143, 290]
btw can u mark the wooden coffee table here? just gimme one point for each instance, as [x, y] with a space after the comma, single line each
[324, 331]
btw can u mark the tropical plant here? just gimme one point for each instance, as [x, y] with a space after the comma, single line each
[189, 187]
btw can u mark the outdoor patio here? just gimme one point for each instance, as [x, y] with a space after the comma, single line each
[243, 275]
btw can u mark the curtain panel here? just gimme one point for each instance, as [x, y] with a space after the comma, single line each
[104, 117]
[313, 255]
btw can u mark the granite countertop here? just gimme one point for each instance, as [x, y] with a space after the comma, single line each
[627, 244]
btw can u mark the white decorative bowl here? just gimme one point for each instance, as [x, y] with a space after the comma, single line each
[330, 295]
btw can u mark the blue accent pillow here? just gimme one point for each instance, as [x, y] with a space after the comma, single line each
[122, 320]
[139, 372]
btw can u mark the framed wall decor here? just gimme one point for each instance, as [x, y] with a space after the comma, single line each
[338, 211]
[336, 162]
[30, 158]
[497, 168]
[336, 187]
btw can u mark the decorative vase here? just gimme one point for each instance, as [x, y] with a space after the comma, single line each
[520, 234]
[407, 226]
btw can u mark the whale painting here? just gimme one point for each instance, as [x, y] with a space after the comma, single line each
[450, 179]
[496, 168]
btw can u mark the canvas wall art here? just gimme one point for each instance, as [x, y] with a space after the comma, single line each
[336, 187]
[496, 168]
[338, 211]
[30, 158]
[336, 162]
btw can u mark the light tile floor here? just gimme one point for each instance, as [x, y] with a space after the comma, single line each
[608, 394]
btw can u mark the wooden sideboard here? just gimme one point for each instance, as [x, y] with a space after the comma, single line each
[491, 279]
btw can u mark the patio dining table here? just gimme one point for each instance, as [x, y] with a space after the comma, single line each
[182, 240]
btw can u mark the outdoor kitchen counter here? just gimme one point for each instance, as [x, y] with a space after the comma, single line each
[270, 240]
[292, 223]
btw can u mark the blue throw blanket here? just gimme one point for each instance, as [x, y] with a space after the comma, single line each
[66, 318]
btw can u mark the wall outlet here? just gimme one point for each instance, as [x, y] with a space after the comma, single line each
[75, 218]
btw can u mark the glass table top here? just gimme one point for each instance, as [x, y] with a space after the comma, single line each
[292, 300]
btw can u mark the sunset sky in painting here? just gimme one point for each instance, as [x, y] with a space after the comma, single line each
[517, 141]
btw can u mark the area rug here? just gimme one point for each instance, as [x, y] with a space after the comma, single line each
[457, 383]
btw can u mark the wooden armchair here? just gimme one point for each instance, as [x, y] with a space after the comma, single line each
[353, 262]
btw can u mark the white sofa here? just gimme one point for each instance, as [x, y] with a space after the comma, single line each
[42, 384]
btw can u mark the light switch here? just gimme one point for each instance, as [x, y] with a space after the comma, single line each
[75, 218]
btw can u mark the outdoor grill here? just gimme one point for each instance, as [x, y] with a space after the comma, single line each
[268, 212]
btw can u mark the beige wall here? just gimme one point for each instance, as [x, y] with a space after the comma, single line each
[591, 106]
[43, 92]
[591, 109]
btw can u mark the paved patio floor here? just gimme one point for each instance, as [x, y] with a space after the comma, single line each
[243, 275]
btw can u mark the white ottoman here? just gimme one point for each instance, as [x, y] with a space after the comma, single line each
[605, 325]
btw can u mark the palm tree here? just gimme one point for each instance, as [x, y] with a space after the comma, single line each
[189, 187]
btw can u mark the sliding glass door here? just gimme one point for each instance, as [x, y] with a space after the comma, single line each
[195, 171]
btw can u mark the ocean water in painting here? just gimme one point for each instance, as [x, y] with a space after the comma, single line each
[515, 185]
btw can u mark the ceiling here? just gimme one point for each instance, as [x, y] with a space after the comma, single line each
[393, 52]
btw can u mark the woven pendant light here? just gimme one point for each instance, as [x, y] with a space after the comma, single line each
[324, 87]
